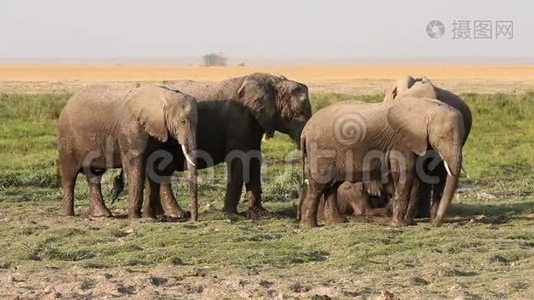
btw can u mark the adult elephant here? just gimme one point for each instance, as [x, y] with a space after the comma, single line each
[234, 114]
[353, 141]
[433, 174]
[103, 127]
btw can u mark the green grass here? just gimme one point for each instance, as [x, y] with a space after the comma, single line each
[485, 250]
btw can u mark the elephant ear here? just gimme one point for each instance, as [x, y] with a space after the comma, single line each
[422, 88]
[399, 86]
[410, 119]
[148, 105]
[258, 94]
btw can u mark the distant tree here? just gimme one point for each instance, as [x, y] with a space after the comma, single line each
[214, 59]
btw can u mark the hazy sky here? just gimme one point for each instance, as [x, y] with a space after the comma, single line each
[273, 29]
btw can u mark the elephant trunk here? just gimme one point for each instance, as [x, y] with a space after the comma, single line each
[453, 165]
[448, 192]
[188, 147]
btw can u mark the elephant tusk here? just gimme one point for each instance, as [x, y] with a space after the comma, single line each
[447, 168]
[187, 156]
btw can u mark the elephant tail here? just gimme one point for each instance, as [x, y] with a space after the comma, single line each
[303, 159]
[118, 186]
[303, 184]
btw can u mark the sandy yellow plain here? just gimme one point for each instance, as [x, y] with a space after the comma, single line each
[345, 79]
[305, 73]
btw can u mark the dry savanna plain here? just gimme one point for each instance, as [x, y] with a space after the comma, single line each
[485, 250]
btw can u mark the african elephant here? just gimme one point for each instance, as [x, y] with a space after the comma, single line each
[409, 86]
[422, 87]
[103, 127]
[357, 142]
[234, 115]
[356, 199]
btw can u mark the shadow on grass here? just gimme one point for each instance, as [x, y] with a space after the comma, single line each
[286, 213]
[462, 213]
[493, 210]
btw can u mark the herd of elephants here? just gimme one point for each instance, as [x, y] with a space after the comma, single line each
[400, 158]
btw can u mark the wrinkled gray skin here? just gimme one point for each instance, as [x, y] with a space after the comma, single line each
[422, 87]
[103, 127]
[397, 131]
[234, 115]
[409, 86]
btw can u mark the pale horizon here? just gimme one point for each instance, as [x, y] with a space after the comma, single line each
[256, 33]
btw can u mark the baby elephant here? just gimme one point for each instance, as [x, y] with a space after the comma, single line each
[356, 199]
[103, 127]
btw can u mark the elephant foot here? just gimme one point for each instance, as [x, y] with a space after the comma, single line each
[177, 213]
[183, 215]
[100, 212]
[66, 212]
[304, 224]
[257, 212]
[134, 215]
[436, 222]
[231, 210]
[397, 223]
[164, 218]
[149, 214]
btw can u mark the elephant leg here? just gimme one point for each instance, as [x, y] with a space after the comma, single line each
[400, 205]
[310, 205]
[68, 182]
[164, 202]
[332, 214]
[413, 203]
[170, 205]
[403, 186]
[135, 171]
[152, 207]
[423, 207]
[234, 186]
[303, 190]
[171, 208]
[426, 180]
[320, 210]
[253, 188]
[97, 206]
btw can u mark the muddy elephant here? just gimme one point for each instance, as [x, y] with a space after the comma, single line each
[103, 127]
[358, 142]
[234, 115]
[432, 168]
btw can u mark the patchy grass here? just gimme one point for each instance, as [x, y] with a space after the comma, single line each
[486, 249]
